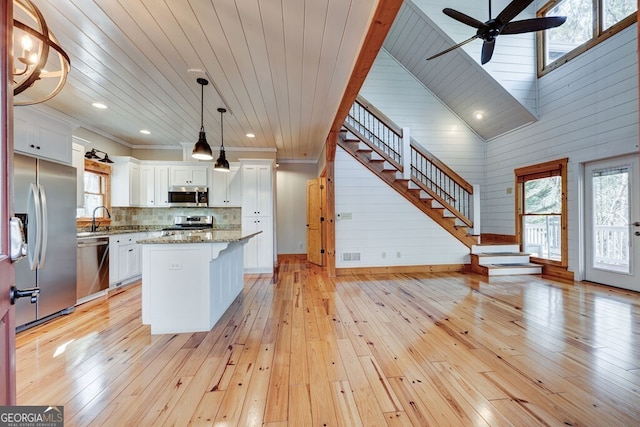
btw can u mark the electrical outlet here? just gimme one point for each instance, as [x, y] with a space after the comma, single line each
[384, 254]
[398, 255]
[509, 190]
[175, 266]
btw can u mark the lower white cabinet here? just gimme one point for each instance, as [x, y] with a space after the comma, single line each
[124, 258]
[258, 252]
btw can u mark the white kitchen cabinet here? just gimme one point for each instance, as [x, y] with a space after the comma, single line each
[161, 174]
[77, 161]
[125, 181]
[257, 195]
[37, 134]
[189, 174]
[124, 258]
[226, 188]
[258, 252]
[154, 185]
[257, 214]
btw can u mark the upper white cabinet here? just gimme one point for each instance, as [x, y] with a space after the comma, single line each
[257, 196]
[37, 134]
[189, 174]
[125, 181]
[226, 188]
[154, 185]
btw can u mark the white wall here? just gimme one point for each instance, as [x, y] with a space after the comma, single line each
[291, 203]
[513, 64]
[384, 221]
[402, 98]
[588, 110]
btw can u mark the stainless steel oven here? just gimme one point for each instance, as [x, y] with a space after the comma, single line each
[187, 196]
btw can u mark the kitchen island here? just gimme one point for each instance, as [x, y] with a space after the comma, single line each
[189, 279]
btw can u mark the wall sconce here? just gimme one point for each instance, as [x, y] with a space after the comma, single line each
[93, 154]
[39, 61]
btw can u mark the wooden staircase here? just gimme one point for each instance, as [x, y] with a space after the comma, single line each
[501, 260]
[392, 175]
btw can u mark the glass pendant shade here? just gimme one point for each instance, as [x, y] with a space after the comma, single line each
[202, 150]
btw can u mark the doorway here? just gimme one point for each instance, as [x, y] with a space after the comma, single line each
[612, 222]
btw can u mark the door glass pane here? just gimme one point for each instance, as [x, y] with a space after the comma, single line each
[611, 219]
[541, 221]
[542, 236]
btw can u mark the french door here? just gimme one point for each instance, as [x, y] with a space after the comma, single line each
[612, 222]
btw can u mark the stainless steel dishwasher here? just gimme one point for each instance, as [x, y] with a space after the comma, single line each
[93, 267]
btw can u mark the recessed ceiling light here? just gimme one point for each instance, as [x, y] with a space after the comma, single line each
[146, 132]
[99, 105]
[479, 115]
[251, 135]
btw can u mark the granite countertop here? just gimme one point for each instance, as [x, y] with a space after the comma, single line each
[134, 229]
[202, 236]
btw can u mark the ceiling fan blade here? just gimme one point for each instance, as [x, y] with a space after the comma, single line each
[535, 24]
[487, 51]
[453, 47]
[512, 10]
[461, 17]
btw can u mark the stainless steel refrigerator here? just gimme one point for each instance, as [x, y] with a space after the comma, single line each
[45, 198]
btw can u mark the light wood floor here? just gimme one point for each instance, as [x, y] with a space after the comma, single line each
[437, 349]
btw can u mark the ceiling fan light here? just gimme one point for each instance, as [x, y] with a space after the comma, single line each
[222, 164]
[202, 149]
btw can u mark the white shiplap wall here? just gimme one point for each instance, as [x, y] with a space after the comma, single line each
[512, 64]
[383, 221]
[402, 98]
[588, 110]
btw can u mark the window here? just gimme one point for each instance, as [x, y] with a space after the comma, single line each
[588, 23]
[541, 225]
[97, 185]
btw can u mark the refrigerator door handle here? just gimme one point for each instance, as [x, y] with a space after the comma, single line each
[45, 227]
[33, 211]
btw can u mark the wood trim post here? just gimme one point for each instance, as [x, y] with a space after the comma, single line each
[406, 153]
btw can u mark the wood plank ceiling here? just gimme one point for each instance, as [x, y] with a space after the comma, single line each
[455, 78]
[279, 66]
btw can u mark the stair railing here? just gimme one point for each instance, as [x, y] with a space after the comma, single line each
[428, 172]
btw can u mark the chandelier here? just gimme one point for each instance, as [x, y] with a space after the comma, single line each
[39, 61]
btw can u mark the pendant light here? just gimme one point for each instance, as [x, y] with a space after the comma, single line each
[222, 164]
[202, 150]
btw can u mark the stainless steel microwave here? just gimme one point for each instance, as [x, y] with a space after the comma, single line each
[187, 196]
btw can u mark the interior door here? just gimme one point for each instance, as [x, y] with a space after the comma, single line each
[314, 220]
[612, 222]
[7, 275]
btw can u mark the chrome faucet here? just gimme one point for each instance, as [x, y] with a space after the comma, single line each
[94, 227]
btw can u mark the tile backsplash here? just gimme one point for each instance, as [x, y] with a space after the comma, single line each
[227, 218]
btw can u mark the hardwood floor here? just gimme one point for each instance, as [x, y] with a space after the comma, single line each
[361, 350]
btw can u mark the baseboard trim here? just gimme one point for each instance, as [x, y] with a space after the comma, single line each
[292, 257]
[557, 273]
[409, 269]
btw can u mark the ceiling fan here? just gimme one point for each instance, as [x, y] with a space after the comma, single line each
[501, 24]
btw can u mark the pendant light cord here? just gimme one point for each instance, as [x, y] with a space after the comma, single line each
[201, 107]
[222, 130]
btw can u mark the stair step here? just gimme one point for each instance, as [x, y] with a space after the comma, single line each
[513, 269]
[498, 248]
[503, 258]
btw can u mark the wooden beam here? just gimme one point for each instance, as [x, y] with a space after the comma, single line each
[381, 21]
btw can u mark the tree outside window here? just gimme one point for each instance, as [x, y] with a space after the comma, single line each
[588, 23]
